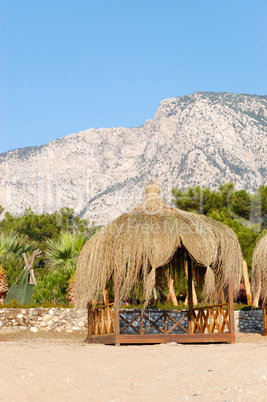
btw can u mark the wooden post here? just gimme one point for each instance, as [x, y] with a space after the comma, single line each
[171, 287]
[256, 296]
[257, 292]
[29, 261]
[247, 283]
[106, 300]
[190, 296]
[231, 306]
[116, 306]
[165, 323]
[35, 254]
[141, 324]
[193, 287]
[264, 319]
[89, 307]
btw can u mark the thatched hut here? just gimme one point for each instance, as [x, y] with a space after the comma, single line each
[259, 278]
[131, 249]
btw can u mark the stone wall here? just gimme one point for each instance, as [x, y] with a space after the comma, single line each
[46, 319]
[248, 321]
[71, 319]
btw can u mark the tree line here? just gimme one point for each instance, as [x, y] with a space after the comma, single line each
[59, 236]
[244, 213]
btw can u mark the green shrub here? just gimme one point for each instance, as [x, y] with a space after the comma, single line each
[52, 289]
[15, 304]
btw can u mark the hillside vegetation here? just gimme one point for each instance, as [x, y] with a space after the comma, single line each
[61, 235]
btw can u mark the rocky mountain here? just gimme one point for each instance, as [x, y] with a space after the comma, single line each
[202, 139]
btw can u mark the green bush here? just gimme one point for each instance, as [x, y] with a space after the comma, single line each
[52, 288]
[15, 304]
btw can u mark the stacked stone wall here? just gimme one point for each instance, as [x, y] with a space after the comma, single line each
[71, 319]
[43, 319]
[248, 321]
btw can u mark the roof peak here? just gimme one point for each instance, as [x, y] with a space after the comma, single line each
[152, 188]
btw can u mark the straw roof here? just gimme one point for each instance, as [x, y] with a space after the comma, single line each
[139, 242]
[259, 269]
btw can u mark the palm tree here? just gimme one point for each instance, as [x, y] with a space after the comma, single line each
[13, 243]
[63, 253]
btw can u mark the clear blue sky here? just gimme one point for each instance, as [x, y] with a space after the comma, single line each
[70, 65]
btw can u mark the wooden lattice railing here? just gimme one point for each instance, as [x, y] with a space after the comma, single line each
[210, 319]
[164, 323]
[101, 320]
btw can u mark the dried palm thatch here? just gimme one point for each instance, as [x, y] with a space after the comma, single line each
[137, 243]
[259, 270]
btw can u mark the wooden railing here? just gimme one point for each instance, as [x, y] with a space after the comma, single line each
[164, 323]
[101, 320]
[209, 319]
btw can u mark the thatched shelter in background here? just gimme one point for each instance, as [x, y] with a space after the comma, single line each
[259, 278]
[133, 247]
[259, 271]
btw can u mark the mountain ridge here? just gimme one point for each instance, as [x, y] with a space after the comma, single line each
[33, 147]
[205, 139]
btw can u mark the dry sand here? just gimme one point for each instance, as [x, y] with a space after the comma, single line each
[57, 367]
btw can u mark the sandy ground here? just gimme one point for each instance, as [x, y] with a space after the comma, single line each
[57, 367]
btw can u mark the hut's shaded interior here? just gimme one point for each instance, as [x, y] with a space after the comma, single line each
[176, 271]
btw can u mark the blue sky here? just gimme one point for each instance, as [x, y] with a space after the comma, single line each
[70, 65]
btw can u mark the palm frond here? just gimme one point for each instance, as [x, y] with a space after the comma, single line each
[14, 243]
[63, 253]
